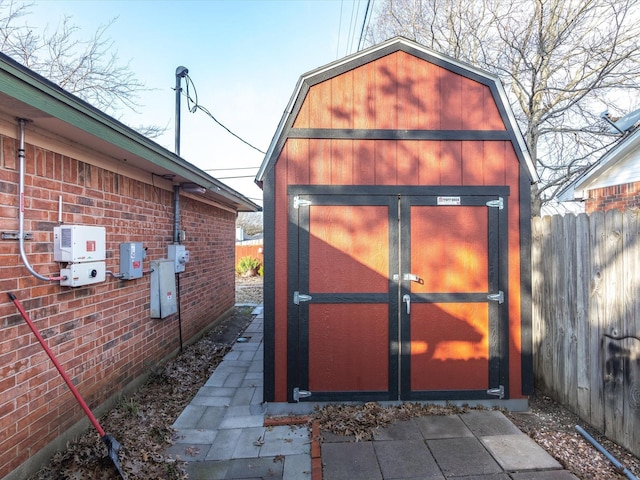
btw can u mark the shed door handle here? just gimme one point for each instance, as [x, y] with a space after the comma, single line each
[407, 299]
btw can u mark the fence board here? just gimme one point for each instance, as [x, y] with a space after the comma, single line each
[613, 383]
[583, 352]
[586, 326]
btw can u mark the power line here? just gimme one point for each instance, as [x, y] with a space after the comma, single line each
[229, 168]
[339, 30]
[239, 176]
[196, 106]
[364, 24]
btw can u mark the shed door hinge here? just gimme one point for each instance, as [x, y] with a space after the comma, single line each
[300, 297]
[496, 297]
[496, 203]
[498, 392]
[300, 202]
[298, 394]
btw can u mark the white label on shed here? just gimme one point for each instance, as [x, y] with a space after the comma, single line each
[448, 200]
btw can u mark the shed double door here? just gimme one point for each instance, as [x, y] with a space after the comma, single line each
[397, 295]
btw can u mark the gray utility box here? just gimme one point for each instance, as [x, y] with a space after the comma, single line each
[131, 256]
[164, 301]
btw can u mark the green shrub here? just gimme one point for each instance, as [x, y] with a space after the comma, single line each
[247, 266]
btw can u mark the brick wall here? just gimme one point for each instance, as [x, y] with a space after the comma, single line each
[618, 197]
[102, 334]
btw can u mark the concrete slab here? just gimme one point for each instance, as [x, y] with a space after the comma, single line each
[286, 440]
[245, 468]
[211, 418]
[209, 401]
[245, 421]
[438, 426]
[491, 476]
[406, 459]
[551, 475]
[243, 396]
[224, 445]
[189, 417]
[233, 380]
[196, 436]
[249, 443]
[462, 457]
[350, 461]
[207, 470]
[489, 422]
[192, 452]
[216, 392]
[404, 430]
[297, 467]
[519, 452]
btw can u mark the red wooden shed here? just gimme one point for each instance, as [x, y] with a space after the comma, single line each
[397, 232]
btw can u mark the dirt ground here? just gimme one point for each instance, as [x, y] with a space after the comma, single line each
[142, 423]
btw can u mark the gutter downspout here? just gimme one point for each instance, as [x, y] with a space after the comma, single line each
[23, 254]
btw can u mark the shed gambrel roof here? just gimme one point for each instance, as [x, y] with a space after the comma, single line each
[314, 77]
[620, 165]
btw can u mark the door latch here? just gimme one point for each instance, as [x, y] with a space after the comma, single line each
[411, 277]
[407, 299]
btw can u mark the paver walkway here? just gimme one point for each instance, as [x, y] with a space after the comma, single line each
[221, 435]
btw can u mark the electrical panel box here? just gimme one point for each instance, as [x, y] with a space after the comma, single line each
[131, 256]
[180, 255]
[79, 243]
[164, 301]
[81, 274]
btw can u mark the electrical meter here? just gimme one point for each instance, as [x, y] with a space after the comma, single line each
[180, 256]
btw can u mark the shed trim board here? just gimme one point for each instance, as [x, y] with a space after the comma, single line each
[381, 134]
[399, 201]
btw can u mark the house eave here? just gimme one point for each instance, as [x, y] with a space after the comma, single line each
[26, 94]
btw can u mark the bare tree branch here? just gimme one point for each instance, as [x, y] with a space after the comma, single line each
[562, 62]
[89, 68]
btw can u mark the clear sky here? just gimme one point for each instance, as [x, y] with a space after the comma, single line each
[243, 56]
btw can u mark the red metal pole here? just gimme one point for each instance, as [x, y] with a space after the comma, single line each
[66, 378]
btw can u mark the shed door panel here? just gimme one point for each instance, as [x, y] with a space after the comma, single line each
[344, 328]
[452, 349]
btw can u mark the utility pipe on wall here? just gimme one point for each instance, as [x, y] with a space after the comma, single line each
[23, 254]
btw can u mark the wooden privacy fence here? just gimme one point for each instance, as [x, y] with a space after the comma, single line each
[586, 304]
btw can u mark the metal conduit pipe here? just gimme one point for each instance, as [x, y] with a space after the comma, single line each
[23, 254]
[621, 468]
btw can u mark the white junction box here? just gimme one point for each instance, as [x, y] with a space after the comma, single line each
[80, 274]
[180, 255]
[79, 243]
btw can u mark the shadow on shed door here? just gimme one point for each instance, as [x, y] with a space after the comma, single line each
[397, 295]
